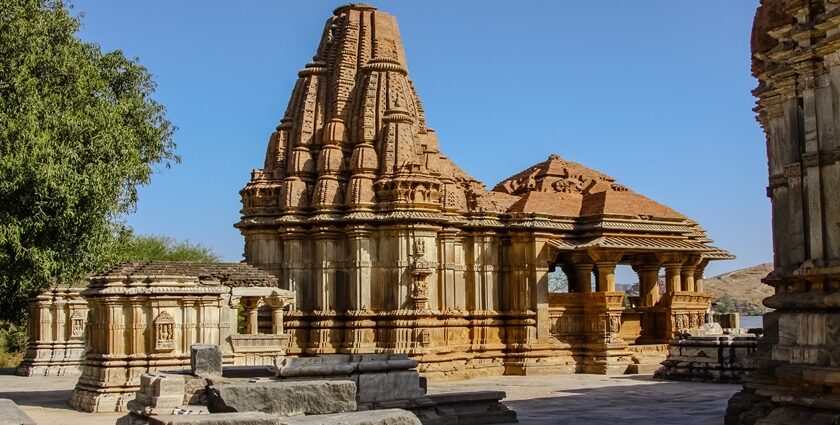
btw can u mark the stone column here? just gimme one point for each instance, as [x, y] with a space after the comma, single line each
[648, 284]
[360, 267]
[606, 276]
[252, 307]
[58, 318]
[698, 276]
[687, 273]
[583, 277]
[276, 314]
[672, 277]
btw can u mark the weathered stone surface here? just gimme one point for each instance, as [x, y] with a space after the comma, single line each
[283, 398]
[235, 418]
[370, 417]
[205, 359]
[45, 355]
[709, 358]
[796, 59]
[468, 408]
[158, 394]
[10, 414]
[399, 385]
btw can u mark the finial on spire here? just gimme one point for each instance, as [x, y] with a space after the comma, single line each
[355, 6]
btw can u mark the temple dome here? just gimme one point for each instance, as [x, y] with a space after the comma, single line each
[567, 189]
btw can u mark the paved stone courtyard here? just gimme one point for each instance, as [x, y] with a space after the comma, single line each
[554, 399]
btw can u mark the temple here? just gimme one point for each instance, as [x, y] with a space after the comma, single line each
[796, 59]
[144, 316]
[391, 247]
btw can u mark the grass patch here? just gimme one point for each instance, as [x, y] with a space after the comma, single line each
[10, 359]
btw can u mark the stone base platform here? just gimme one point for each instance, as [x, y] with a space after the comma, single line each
[709, 358]
[538, 400]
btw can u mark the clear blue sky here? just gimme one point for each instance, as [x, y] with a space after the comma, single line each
[655, 93]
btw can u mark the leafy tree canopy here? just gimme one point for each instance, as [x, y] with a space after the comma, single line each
[79, 132]
[164, 248]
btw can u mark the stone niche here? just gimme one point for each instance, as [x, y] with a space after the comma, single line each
[56, 333]
[391, 247]
[145, 316]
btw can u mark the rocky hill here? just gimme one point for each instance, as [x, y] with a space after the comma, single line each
[741, 290]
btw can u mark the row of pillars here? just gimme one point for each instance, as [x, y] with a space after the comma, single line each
[679, 276]
[252, 307]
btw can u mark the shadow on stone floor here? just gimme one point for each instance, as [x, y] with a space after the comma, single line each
[628, 405]
[53, 399]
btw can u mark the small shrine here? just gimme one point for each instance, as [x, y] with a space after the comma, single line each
[144, 316]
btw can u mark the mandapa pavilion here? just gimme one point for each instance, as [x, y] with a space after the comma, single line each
[390, 247]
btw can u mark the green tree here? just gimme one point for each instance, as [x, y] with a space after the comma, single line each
[79, 132]
[557, 281]
[164, 248]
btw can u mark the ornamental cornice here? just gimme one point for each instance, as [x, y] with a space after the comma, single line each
[160, 290]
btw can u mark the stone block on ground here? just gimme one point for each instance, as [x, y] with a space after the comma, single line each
[283, 398]
[400, 385]
[237, 418]
[260, 371]
[463, 408]
[370, 417]
[205, 359]
[11, 414]
[158, 393]
[343, 365]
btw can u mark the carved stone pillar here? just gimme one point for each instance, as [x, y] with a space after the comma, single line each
[583, 277]
[59, 320]
[360, 267]
[672, 277]
[252, 308]
[277, 306]
[648, 284]
[698, 276]
[605, 276]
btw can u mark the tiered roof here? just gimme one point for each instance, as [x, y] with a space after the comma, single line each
[354, 145]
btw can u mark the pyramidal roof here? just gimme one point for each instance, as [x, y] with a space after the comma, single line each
[560, 187]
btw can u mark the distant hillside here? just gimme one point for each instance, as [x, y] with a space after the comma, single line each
[741, 290]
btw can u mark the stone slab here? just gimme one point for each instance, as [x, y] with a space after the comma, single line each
[249, 371]
[11, 414]
[283, 398]
[400, 385]
[236, 418]
[205, 359]
[370, 417]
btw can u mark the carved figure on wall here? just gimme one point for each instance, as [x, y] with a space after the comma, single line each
[419, 247]
[77, 325]
[164, 326]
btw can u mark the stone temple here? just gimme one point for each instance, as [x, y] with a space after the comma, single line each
[796, 58]
[390, 247]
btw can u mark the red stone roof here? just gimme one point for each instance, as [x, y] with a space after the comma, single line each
[568, 189]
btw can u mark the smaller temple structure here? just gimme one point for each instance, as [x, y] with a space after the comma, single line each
[56, 332]
[144, 316]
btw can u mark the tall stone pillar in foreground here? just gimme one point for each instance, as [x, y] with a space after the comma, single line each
[796, 59]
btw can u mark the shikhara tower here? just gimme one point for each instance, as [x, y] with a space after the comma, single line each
[391, 247]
